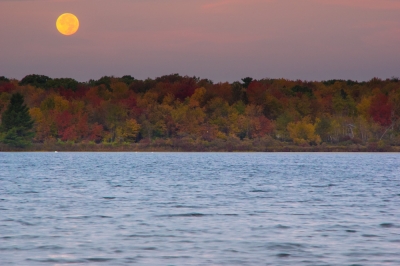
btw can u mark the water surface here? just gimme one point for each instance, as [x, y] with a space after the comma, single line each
[199, 209]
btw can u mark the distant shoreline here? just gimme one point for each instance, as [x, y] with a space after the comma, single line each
[138, 147]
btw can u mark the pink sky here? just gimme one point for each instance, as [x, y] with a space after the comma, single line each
[223, 40]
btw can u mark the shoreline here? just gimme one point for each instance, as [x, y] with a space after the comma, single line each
[138, 147]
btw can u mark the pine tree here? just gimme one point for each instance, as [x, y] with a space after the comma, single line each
[16, 123]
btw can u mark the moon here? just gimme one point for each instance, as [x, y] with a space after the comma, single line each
[67, 24]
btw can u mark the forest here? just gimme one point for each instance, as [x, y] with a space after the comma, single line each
[181, 113]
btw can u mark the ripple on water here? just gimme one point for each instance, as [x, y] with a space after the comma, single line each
[279, 226]
[57, 260]
[99, 259]
[369, 235]
[283, 255]
[389, 225]
[191, 214]
[199, 209]
[83, 217]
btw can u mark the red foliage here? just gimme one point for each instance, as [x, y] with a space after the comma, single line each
[82, 128]
[277, 94]
[266, 126]
[70, 94]
[93, 97]
[185, 89]
[6, 87]
[129, 102]
[381, 109]
[96, 133]
[180, 89]
[256, 92]
[326, 104]
[63, 120]
[95, 101]
[66, 93]
[223, 90]
[69, 134]
[80, 92]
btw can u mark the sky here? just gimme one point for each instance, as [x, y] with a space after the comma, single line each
[222, 40]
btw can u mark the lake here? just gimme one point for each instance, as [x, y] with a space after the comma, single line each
[199, 208]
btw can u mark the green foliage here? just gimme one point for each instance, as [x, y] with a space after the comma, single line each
[4, 79]
[323, 128]
[394, 79]
[344, 104]
[45, 82]
[105, 80]
[170, 78]
[47, 104]
[246, 82]
[237, 92]
[343, 94]
[127, 79]
[302, 89]
[333, 81]
[281, 125]
[16, 123]
[38, 81]
[192, 112]
[66, 83]
[240, 107]
[272, 107]
[140, 86]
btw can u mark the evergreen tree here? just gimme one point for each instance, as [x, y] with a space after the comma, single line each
[16, 126]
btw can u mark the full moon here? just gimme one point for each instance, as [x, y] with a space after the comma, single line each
[67, 24]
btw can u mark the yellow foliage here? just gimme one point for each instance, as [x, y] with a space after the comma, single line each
[303, 132]
[119, 90]
[197, 98]
[107, 137]
[43, 125]
[103, 92]
[221, 135]
[253, 110]
[77, 106]
[188, 119]
[36, 114]
[60, 104]
[233, 118]
[363, 107]
[128, 131]
[168, 100]
[148, 99]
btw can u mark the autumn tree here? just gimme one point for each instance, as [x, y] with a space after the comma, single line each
[4, 79]
[175, 108]
[381, 109]
[323, 128]
[303, 132]
[66, 83]
[128, 131]
[16, 123]
[256, 92]
[35, 80]
[247, 81]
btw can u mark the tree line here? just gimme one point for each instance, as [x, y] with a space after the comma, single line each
[180, 109]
